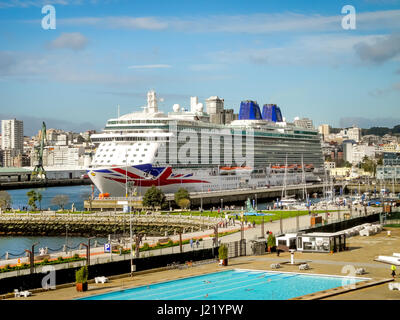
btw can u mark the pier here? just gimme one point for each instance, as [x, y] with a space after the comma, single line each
[21, 178]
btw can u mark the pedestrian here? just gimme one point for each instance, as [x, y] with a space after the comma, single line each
[277, 252]
[254, 224]
[393, 268]
[191, 243]
[197, 243]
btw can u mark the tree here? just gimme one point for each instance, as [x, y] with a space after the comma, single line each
[184, 203]
[181, 194]
[5, 200]
[348, 164]
[33, 196]
[153, 197]
[60, 200]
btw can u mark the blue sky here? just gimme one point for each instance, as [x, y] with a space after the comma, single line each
[292, 53]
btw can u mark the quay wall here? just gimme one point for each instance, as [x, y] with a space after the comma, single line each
[87, 225]
[64, 276]
[43, 184]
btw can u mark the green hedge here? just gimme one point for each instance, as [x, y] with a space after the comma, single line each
[45, 262]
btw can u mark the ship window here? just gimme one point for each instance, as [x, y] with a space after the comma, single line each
[108, 161]
[113, 149]
[145, 149]
[137, 149]
[140, 160]
[142, 155]
[123, 161]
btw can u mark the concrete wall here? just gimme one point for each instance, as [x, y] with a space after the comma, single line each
[33, 281]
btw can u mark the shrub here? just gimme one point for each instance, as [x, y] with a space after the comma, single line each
[145, 246]
[60, 259]
[223, 252]
[271, 241]
[170, 243]
[81, 275]
[76, 256]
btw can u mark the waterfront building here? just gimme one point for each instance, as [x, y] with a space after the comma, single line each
[12, 140]
[12, 135]
[324, 130]
[355, 153]
[353, 133]
[304, 123]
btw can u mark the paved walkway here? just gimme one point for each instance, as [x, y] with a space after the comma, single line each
[250, 233]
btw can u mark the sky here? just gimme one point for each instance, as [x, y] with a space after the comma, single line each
[296, 54]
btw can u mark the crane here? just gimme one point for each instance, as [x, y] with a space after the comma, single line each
[38, 170]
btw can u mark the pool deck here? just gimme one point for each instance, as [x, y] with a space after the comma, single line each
[362, 252]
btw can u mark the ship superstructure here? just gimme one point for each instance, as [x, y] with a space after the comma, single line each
[202, 150]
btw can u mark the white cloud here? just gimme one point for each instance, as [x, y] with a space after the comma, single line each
[150, 66]
[334, 49]
[73, 40]
[142, 23]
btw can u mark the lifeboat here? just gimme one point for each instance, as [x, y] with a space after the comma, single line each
[104, 195]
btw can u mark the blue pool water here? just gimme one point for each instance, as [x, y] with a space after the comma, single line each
[234, 284]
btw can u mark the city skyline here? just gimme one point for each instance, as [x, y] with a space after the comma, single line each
[108, 53]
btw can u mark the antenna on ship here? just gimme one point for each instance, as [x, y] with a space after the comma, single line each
[118, 111]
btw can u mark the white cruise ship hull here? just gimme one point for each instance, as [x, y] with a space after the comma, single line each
[113, 180]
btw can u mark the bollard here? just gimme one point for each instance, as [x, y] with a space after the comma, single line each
[65, 248]
[95, 243]
[6, 257]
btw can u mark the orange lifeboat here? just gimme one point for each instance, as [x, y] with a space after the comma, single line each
[104, 195]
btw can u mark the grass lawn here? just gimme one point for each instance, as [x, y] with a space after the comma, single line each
[276, 215]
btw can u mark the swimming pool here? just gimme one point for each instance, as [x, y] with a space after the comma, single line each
[236, 284]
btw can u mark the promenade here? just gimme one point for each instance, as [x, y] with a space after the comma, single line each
[250, 233]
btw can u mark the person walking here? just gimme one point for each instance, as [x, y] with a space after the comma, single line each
[197, 243]
[191, 243]
[393, 268]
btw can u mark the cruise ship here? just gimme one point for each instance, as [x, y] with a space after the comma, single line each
[203, 150]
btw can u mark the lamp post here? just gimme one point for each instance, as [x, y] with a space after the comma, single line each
[87, 250]
[32, 257]
[66, 238]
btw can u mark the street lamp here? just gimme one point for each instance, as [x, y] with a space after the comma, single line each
[87, 250]
[32, 257]
[222, 204]
[66, 238]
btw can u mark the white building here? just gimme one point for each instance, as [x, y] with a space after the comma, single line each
[12, 135]
[355, 153]
[353, 133]
[304, 123]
